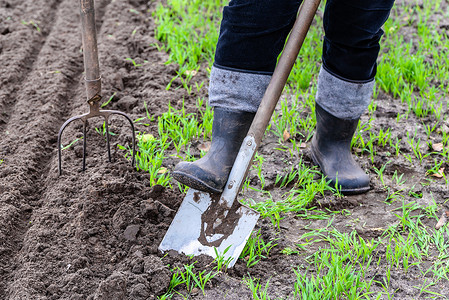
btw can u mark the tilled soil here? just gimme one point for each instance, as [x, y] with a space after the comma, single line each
[91, 234]
[94, 234]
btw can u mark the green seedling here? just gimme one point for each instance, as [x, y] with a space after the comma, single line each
[109, 100]
[71, 144]
[149, 117]
[407, 208]
[133, 62]
[193, 279]
[384, 137]
[435, 170]
[337, 188]
[32, 23]
[380, 172]
[415, 145]
[221, 261]
[431, 209]
[256, 249]
[258, 291]
[392, 195]
[102, 130]
[423, 288]
[398, 179]
[189, 279]
[283, 181]
[175, 281]
[396, 146]
[289, 251]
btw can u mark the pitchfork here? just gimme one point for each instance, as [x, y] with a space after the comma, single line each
[93, 83]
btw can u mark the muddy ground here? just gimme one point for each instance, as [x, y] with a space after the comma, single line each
[94, 234]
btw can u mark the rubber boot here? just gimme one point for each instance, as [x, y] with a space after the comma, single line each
[331, 150]
[210, 173]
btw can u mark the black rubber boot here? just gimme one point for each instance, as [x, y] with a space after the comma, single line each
[331, 150]
[210, 173]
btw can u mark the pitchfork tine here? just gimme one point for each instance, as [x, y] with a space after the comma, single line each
[84, 144]
[84, 118]
[107, 137]
[66, 123]
[133, 135]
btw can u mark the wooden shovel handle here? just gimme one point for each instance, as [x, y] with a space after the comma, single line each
[283, 69]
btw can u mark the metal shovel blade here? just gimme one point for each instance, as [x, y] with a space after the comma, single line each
[204, 226]
[207, 223]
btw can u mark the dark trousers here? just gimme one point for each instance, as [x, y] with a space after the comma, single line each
[253, 33]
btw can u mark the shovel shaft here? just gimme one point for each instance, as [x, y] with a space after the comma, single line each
[90, 51]
[283, 69]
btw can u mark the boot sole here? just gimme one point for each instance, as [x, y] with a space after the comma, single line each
[343, 191]
[194, 183]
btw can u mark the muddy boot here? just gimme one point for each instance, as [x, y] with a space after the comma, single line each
[210, 173]
[331, 150]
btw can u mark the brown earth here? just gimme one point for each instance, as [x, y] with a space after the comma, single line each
[94, 234]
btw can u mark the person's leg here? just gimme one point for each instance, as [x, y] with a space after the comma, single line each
[252, 34]
[345, 84]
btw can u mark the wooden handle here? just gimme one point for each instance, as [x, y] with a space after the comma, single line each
[90, 51]
[283, 69]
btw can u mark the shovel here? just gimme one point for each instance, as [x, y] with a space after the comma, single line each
[217, 225]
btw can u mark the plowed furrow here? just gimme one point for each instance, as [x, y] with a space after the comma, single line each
[24, 30]
[34, 100]
[67, 276]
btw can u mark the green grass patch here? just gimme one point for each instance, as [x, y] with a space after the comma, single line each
[412, 74]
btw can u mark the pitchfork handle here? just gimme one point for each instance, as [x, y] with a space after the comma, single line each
[283, 68]
[90, 51]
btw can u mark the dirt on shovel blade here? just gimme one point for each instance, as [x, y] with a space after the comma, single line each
[95, 234]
